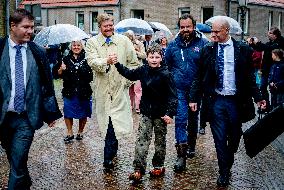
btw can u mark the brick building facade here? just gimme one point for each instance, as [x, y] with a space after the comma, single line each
[261, 14]
[12, 6]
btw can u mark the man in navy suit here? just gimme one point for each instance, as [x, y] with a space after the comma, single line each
[27, 96]
[226, 77]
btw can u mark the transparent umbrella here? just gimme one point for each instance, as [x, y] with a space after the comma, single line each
[59, 33]
[163, 29]
[138, 26]
[235, 27]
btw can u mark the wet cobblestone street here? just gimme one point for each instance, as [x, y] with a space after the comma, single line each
[54, 165]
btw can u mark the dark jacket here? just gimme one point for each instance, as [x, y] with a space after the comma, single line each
[276, 76]
[205, 81]
[159, 96]
[41, 104]
[181, 60]
[267, 59]
[76, 77]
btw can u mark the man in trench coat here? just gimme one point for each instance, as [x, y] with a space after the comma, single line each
[113, 110]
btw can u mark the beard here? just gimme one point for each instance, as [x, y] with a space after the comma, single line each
[187, 36]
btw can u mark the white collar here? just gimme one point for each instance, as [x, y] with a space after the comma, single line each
[13, 44]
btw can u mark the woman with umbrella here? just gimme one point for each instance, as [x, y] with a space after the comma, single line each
[76, 92]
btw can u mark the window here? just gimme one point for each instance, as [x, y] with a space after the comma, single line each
[110, 12]
[270, 19]
[93, 22]
[207, 12]
[184, 10]
[246, 20]
[80, 20]
[280, 21]
[137, 14]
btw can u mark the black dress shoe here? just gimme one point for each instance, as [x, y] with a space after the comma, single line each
[68, 138]
[190, 153]
[79, 137]
[108, 164]
[223, 180]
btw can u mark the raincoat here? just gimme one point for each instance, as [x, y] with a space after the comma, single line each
[110, 88]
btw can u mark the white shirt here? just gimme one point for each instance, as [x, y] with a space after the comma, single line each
[12, 54]
[229, 80]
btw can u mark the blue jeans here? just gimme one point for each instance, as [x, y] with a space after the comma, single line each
[186, 121]
[16, 138]
[226, 128]
[111, 143]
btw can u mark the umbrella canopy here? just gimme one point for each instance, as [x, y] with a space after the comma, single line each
[235, 27]
[203, 27]
[59, 33]
[138, 26]
[163, 29]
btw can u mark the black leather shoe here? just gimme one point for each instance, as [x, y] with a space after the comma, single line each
[68, 138]
[223, 180]
[79, 137]
[190, 153]
[108, 164]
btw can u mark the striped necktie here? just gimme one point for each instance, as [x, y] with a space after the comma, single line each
[19, 99]
[220, 66]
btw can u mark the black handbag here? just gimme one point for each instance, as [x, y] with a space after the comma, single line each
[264, 131]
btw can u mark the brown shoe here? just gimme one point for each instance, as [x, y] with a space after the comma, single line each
[135, 176]
[157, 171]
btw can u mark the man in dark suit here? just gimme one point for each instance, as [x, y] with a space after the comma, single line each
[226, 76]
[27, 96]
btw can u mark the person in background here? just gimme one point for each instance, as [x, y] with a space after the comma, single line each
[257, 62]
[77, 76]
[276, 78]
[113, 108]
[148, 41]
[164, 44]
[53, 54]
[135, 90]
[226, 77]
[27, 96]
[276, 41]
[182, 57]
[158, 106]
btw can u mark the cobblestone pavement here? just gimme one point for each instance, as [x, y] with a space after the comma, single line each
[55, 165]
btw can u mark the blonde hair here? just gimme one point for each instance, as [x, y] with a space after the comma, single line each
[78, 41]
[130, 34]
[103, 17]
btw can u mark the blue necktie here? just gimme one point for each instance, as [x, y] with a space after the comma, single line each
[19, 99]
[220, 66]
[108, 40]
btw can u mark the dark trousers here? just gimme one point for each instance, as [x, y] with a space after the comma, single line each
[192, 129]
[16, 136]
[226, 130]
[111, 143]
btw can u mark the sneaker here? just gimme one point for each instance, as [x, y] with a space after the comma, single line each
[135, 176]
[79, 137]
[137, 111]
[157, 171]
[68, 138]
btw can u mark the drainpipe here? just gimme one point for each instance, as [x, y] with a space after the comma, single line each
[119, 10]
[229, 8]
[7, 7]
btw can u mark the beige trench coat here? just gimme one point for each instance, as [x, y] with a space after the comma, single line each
[110, 88]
